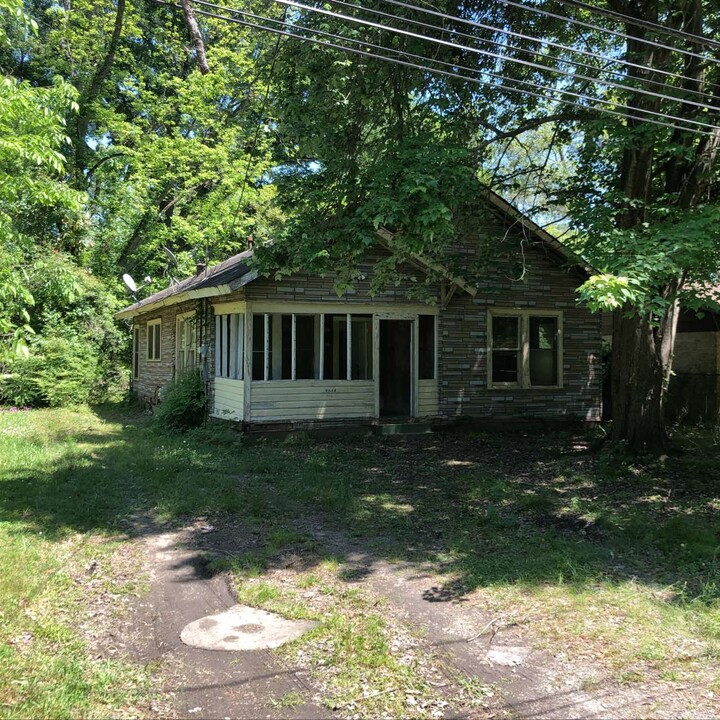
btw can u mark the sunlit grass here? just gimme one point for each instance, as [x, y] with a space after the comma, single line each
[601, 559]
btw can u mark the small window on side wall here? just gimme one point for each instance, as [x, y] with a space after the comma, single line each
[154, 336]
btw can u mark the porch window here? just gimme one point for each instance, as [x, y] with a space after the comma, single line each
[361, 349]
[229, 346]
[426, 347]
[525, 349]
[154, 338]
[186, 344]
[312, 347]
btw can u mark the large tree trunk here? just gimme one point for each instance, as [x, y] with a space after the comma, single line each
[641, 368]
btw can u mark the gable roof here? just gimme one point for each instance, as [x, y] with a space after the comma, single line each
[234, 273]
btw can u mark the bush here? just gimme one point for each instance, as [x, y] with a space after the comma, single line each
[183, 404]
[59, 371]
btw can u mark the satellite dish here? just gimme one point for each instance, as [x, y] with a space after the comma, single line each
[170, 255]
[128, 280]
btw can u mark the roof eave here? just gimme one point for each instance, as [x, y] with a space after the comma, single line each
[132, 311]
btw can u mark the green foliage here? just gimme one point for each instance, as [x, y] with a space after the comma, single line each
[183, 404]
[58, 371]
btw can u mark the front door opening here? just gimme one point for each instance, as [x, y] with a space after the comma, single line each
[395, 368]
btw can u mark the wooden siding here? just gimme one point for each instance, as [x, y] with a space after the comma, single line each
[280, 400]
[428, 398]
[228, 399]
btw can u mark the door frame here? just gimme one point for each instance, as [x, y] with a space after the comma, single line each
[414, 359]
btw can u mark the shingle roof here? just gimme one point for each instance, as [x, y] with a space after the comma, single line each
[222, 275]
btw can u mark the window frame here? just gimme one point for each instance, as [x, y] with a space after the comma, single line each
[181, 318]
[524, 316]
[151, 345]
[323, 315]
[232, 368]
[136, 352]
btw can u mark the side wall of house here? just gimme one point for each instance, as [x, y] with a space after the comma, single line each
[153, 375]
[694, 390]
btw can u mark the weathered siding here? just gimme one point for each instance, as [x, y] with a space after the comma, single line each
[286, 400]
[540, 285]
[153, 375]
[227, 399]
[428, 398]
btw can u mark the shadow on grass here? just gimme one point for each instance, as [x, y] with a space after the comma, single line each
[484, 510]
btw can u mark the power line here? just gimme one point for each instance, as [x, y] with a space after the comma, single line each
[528, 63]
[549, 43]
[598, 28]
[438, 71]
[640, 22]
[485, 53]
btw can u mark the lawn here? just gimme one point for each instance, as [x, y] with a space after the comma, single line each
[609, 561]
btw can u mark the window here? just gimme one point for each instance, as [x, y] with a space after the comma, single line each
[361, 349]
[229, 339]
[426, 347]
[312, 347]
[154, 334]
[186, 343]
[524, 349]
[136, 352]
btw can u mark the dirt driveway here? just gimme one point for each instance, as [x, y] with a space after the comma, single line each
[461, 642]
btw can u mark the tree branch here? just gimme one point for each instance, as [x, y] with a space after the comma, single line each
[195, 35]
[531, 125]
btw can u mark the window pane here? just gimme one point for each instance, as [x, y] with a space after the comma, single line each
[361, 347]
[307, 328]
[505, 366]
[157, 342]
[258, 352]
[426, 347]
[335, 347]
[543, 351]
[286, 347]
[505, 333]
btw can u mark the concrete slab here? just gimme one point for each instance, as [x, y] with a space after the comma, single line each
[243, 628]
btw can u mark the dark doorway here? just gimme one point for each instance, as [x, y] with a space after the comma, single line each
[395, 368]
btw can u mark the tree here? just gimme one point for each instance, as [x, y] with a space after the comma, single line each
[35, 203]
[654, 228]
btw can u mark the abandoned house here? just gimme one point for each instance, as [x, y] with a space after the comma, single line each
[290, 352]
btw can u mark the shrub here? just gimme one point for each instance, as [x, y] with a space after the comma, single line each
[183, 404]
[58, 371]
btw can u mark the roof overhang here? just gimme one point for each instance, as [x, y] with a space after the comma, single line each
[132, 311]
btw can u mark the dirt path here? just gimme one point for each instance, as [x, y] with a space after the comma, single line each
[531, 683]
[204, 683]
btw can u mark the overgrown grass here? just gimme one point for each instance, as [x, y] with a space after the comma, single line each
[46, 669]
[604, 558]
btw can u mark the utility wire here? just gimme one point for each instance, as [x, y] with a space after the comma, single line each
[640, 22]
[528, 63]
[438, 71]
[598, 28]
[549, 43]
[485, 53]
